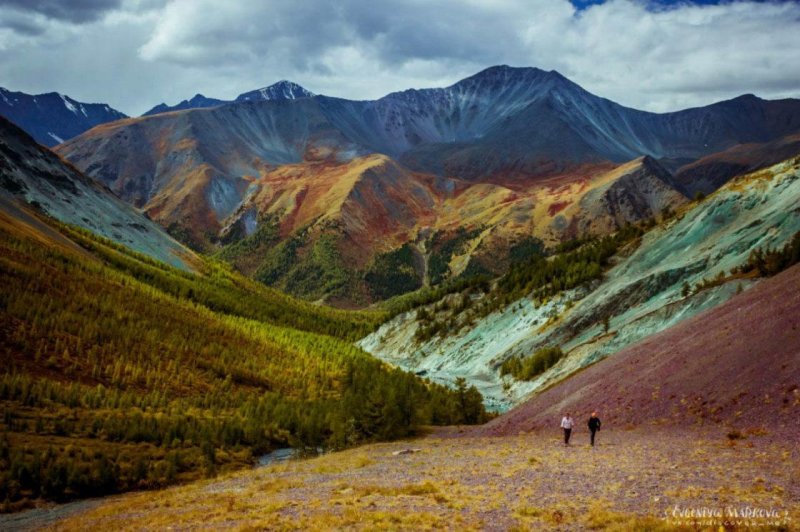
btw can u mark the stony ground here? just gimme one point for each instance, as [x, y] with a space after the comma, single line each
[633, 479]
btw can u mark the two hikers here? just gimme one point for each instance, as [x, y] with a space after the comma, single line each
[567, 423]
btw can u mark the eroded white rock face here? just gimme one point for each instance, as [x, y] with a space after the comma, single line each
[642, 294]
[473, 353]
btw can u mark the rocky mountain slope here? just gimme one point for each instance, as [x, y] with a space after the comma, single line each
[709, 173]
[35, 175]
[374, 218]
[680, 269]
[52, 118]
[736, 364]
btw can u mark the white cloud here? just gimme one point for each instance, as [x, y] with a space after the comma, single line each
[147, 51]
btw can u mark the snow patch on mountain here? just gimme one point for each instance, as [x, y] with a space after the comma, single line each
[68, 104]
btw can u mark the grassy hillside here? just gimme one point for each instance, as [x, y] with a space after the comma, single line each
[221, 289]
[121, 373]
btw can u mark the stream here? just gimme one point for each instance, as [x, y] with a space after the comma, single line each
[48, 516]
[274, 457]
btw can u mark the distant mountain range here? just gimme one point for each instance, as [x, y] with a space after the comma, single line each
[52, 118]
[283, 90]
[505, 153]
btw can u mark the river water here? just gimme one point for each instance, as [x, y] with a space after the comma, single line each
[48, 516]
[276, 456]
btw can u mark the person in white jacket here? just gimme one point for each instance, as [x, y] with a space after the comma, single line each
[567, 423]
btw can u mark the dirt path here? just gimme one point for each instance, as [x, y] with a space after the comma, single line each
[632, 479]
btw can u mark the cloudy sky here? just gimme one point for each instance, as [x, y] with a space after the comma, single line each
[651, 54]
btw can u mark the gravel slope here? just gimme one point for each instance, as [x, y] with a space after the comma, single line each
[737, 364]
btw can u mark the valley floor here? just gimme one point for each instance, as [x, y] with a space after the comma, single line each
[634, 478]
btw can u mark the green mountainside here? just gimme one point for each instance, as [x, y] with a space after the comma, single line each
[124, 373]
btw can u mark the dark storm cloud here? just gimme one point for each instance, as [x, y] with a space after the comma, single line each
[446, 29]
[21, 23]
[394, 31]
[137, 53]
[75, 11]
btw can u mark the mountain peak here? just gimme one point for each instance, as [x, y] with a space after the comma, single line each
[747, 98]
[498, 76]
[282, 90]
[507, 69]
[505, 72]
[196, 102]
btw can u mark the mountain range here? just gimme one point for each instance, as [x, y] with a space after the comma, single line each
[52, 118]
[282, 90]
[310, 193]
[198, 101]
[313, 194]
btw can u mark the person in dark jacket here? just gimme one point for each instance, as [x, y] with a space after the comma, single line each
[594, 426]
[567, 423]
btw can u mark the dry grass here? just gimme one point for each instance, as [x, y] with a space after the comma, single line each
[600, 517]
[526, 482]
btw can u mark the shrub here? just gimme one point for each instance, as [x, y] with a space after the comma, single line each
[770, 262]
[528, 368]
